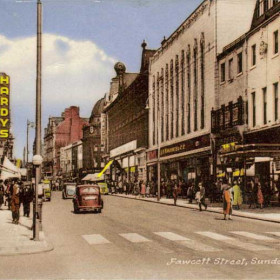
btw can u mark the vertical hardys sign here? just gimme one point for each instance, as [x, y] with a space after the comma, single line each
[4, 106]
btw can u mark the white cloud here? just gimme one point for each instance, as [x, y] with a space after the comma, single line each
[73, 73]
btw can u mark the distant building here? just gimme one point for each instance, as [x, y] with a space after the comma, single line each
[59, 133]
[127, 124]
[92, 147]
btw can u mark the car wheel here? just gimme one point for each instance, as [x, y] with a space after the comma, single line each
[99, 210]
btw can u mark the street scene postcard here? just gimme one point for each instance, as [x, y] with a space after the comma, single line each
[139, 139]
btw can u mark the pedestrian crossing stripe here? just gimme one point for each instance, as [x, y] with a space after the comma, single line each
[234, 242]
[171, 236]
[254, 236]
[134, 237]
[198, 246]
[94, 239]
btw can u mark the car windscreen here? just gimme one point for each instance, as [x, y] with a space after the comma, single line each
[70, 189]
[89, 190]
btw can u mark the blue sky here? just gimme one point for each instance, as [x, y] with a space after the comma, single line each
[82, 41]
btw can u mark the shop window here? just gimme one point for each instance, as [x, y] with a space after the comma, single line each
[275, 89]
[264, 106]
[239, 63]
[254, 109]
[275, 42]
[223, 72]
[253, 55]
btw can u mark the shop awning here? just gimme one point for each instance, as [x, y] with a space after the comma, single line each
[105, 168]
[93, 177]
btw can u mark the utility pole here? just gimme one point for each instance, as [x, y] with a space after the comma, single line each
[37, 159]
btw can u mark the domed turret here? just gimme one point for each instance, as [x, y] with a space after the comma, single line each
[120, 68]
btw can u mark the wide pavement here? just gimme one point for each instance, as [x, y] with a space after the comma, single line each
[134, 239]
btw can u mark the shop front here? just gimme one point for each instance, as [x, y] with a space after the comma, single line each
[187, 160]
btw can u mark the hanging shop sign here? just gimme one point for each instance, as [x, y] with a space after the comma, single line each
[4, 106]
[229, 147]
[188, 145]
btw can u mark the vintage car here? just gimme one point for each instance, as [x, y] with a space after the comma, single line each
[68, 190]
[87, 198]
[46, 187]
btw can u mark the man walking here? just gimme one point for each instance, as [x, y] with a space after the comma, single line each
[202, 197]
[15, 202]
[27, 198]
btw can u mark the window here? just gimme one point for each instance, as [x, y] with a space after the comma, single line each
[167, 102]
[183, 91]
[275, 2]
[239, 63]
[189, 90]
[171, 98]
[202, 113]
[195, 88]
[154, 111]
[275, 39]
[264, 106]
[265, 5]
[223, 72]
[253, 53]
[162, 104]
[254, 108]
[275, 88]
[177, 95]
[230, 74]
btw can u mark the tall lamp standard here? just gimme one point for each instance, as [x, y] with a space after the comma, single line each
[37, 159]
[158, 148]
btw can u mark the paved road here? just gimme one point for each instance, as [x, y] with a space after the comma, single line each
[141, 240]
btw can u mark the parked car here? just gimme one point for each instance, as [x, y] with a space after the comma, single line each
[68, 190]
[87, 198]
[47, 193]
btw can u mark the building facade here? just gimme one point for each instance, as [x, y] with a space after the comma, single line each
[60, 133]
[92, 146]
[245, 124]
[127, 125]
[183, 90]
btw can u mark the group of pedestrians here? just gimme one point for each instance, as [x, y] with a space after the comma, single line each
[13, 193]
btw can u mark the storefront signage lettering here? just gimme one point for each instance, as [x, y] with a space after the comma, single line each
[191, 144]
[130, 146]
[4, 106]
[229, 147]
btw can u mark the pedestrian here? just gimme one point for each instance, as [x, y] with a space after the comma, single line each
[251, 194]
[148, 190]
[237, 196]
[202, 196]
[15, 202]
[260, 196]
[27, 199]
[190, 192]
[175, 193]
[8, 193]
[143, 189]
[1, 193]
[227, 203]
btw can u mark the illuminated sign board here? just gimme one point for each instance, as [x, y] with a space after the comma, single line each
[4, 106]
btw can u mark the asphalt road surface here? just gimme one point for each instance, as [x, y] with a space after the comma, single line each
[134, 239]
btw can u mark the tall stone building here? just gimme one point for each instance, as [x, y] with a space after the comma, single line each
[60, 132]
[92, 146]
[183, 89]
[127, 123]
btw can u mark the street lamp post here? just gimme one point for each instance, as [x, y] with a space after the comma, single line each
[37, 159]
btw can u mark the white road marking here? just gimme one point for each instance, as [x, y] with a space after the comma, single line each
[171, 236]
[198, 246]
[94, 239]
[214, 235]
[274, 233]
[134, 237]
[254, 236]
[234, 242]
